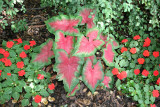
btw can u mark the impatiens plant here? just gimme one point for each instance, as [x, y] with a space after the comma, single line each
[21, 71]
[138, 62]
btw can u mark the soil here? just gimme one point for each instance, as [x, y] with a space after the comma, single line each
[37, 31]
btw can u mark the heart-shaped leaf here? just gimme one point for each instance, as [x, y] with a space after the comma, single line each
[63, 23]
[68, 69]
[92, 74]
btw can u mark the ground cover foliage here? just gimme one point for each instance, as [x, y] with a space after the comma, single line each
[125, 33]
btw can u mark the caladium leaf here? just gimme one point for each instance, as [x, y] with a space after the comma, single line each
[63, 42]
[108, 55]
[92, 75]
[73, 92]
[107, 80]
[85, 17]
[92, 58]
[68, 69]
[45, 53]
[107, 39]
[63, 23]
[87, 47]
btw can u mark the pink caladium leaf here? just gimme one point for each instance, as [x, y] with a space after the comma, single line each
[45, 53]
[73, 92]
[63, 23]
[107, 39]
[85, 47]
[108, 55]
[63, 42]
[92, 58]
[92, 75]
[68, 69]
[106, 81]
[85, 17]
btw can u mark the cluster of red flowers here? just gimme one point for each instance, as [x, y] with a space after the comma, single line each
[121, 75]
[7, 62]
[146, 53]
[155, 93]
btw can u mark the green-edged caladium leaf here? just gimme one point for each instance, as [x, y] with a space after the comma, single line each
[92, 58]
[63, 42]
[73, 92]
[85, 47]
[107, 80]
[85, 17]
[63, 23]
[107, 39]
[92, 75]
[68, 69]
[108, 55]
[46, 52]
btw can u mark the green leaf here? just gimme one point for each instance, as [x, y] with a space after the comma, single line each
[135, 98]
[27, 95]
[12, 54]
[16, 95]
[8, 90]
[118, 83]
[25, 102]
[152, 99]
[124, 63]
[18, 89]
[44, 93]
[34, 104]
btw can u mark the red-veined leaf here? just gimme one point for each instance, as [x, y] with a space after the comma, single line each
[85, 17]
[108, 55]
[63, 42]
[45, 53]
[63, 23]
[68, 69]
[87, 47]
[92, 74]
[73, 92]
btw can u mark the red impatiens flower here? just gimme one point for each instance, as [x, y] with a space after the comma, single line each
[6, 61]
[115, 71]
[20, 64]
[124, 41]
[145, 72]
[155, 73]
[147, 42]
[122, 75]
[136, 37]
[123, 49]
[21, 72]
[40, 76]
[32, 43]
[136, 71]
[2, 50]
[6, 54]
[158, 81]
[146, 53]
[141, 60]
[9, 44]
[26, 47]
[133, 50]
[19, 40]
[0, 72]
[156, 54]
[51, 86]
[152, 105]
[23, 54]
[9, 74]
[37, 98]
[155, 93]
